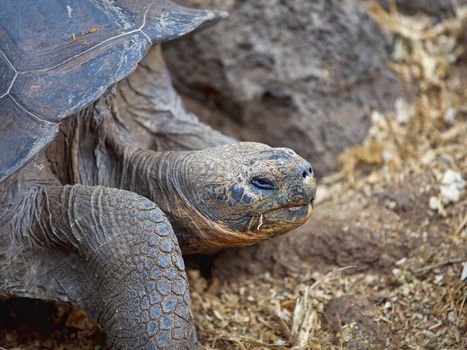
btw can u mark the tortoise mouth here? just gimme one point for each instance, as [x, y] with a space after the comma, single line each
[280, 220]
[258, 228]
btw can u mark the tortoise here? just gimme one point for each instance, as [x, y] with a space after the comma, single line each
[93, 213]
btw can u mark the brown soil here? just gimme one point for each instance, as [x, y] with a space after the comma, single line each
[379, 265]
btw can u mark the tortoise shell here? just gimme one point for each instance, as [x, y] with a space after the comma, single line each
[57, 56]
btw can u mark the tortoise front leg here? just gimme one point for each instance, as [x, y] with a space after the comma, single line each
[112, 252]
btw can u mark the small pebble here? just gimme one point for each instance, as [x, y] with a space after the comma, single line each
[430, 335]
[452, 317]
[451, 185]
[404, 111]
[280, 342]
[450, 194]
[434, 203]
[391, 204]
[450, 116]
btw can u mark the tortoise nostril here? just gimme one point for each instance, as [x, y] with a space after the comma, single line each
[308, 172]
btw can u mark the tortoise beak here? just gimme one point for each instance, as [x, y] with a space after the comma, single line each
[280, 220]
[309, 184]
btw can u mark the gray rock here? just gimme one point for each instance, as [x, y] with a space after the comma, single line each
[304, 74]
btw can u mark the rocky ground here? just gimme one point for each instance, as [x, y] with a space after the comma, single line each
[379, 265]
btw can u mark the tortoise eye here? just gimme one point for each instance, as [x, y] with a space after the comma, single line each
[262, 183]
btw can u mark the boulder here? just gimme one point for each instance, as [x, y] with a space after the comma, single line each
[303, 74]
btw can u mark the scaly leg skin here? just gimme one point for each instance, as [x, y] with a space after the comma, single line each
[112, 252]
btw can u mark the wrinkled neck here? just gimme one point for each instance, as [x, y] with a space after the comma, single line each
[163, 177]
[159, 176]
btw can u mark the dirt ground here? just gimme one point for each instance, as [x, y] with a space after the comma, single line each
[379, 265]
